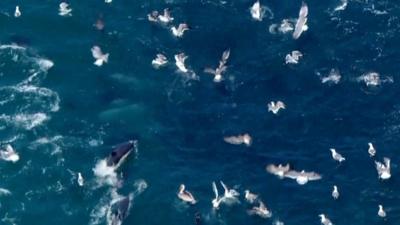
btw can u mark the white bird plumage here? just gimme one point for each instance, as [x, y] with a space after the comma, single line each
[221, 67]
[260, 210]
[17, 12]
[180, 62]
[80, 179]
[217, 200]
[337, 156]
[64, 9]
[238, 140]
[180, 30]
[371, 149]
[278, 170]
[9, 154]
[99, 56]
[301, 21]
[185, 195]
[229, 194]
[159, 61]
[381, 211]
[383, 169]
[166, 17]
[335, 192]
[293, 57]
[250, 197]
[325, 220]
[257, 11]
[274, 107]
[303, 177]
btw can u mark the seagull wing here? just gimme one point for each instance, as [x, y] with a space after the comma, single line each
[214, 186]
[272, 169]
[313, 176]
[225, 187]
[233, 140]
[96, 52]
[301, 21]
[226, 55]
[292, 174]
[210, 71]
[387, 162]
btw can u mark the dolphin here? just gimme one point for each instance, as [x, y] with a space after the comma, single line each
[120, 153]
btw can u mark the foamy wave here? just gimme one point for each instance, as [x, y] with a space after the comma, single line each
[140, 186]
[99, 213]
[105, 174]
[4, 192]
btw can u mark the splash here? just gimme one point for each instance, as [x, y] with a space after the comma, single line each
[106, 175]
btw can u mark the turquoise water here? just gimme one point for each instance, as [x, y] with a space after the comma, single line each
[63, 115]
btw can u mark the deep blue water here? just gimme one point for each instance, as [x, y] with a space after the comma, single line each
[63, 115]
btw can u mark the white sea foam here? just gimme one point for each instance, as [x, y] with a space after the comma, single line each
[4, 192]
[105, 174]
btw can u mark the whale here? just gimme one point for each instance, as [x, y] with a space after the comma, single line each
[119, 154]
[120, 211]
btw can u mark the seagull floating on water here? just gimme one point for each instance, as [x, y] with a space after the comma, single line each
[238, 140]
[381, 211]
[370, 79]
[335, 192]
[256, 11]
[99, 56]
[9, 154]
[336, 156]
[293, 58]
[221, 67]
[153, 16]
[303, 177]
[383, 169]
[325, 220]
[160, 60]
[17, 12]
[185, 196]
[80, 179]
[274, 107]
[371, 150]
[178, 32]
[260, 210]
[250, 197]
[64, 9]
[278, 170]
[301, 21]
[166, 17]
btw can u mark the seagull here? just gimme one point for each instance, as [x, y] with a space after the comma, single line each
[153, 16]
[333, 77]
[279, 170]
[160, 60]
[107, 1]
[180, 62]
[294, 57]
[166, 17]
[285, 26]
[301, 21]
[64, 10]
[325, 220]
[260, 210]
[238, 140]
[221, 68]
[370, 79]
[335, 192]
[178, 32]
[383, 168]
[371, 150]
[99, 56]
[185, 195]
[303, 177]
[80, 179]
[229, 193]
[217, 200]
[9, 154]
[274, 107]
[342, 6]
[336, 156]
[17, 12]
[250, 197]
[256, 11]
[381, 212]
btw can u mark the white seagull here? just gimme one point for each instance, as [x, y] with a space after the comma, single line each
[278, 170]
[325, 220]
[238, 140]
[185, 196]
[217, 200]
[99, 56]
[107, 1]
[333, 77]
[166, 17]
[221, 67]
[381, 212]
[342, 6]
[256, 11]
[336, 156]
[293, 57]
[301, 21]
[160, 60]
[180, 62]
[383, 168]
[80, 179]
[180, 30]
[250, 197]
[335, 192]
[260, 210]
[64, 9]
[303, 177]
[274, 107]
[9, 154]
[371, 150]
[153, 16]
[17, 12]
[229, 194]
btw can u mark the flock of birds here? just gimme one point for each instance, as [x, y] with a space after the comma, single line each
[230, 196]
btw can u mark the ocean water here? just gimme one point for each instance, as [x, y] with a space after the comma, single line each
[63, 114]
